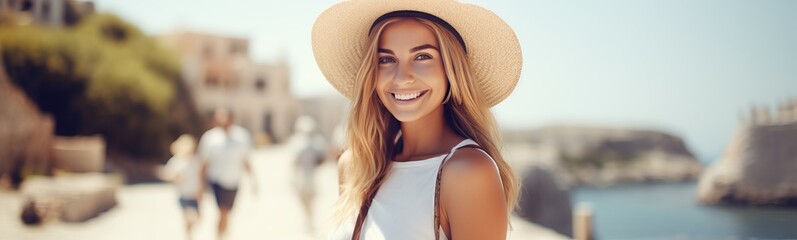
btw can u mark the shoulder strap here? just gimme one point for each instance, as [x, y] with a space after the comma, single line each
[437, 188]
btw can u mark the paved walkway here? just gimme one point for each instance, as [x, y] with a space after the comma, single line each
[151, 211]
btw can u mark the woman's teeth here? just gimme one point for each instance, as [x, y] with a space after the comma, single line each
[408, 96]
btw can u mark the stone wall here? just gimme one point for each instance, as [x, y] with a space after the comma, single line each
[25, 133]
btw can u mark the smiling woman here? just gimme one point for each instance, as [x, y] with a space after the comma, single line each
[424, 160]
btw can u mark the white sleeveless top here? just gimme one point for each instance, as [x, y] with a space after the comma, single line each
[403, 207]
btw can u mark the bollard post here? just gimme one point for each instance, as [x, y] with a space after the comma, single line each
[582, 226]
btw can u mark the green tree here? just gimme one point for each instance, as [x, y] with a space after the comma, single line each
[102, 76]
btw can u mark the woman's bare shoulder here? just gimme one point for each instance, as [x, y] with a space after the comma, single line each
[472, 196]
[470, 165]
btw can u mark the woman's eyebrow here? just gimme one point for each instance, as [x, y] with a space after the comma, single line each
[415, 49]
[382, 50]
[422, 47]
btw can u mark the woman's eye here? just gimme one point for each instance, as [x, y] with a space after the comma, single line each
[423, 57]
[383, 60]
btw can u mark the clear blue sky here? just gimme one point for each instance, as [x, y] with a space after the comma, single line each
[686, 67]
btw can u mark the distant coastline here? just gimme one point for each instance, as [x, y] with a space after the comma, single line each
[602, 156]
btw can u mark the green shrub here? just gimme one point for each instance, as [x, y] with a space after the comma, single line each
[101, 76]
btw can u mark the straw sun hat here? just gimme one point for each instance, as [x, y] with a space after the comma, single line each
[340, 37]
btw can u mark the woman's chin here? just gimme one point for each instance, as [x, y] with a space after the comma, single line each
[407, 117]
[411, 115]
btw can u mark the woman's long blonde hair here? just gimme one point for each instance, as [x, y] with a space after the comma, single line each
[372, 129]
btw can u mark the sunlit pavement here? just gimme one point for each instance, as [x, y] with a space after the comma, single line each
[151, 211]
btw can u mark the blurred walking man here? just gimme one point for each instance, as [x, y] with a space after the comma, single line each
[310, 152]
[225, 151]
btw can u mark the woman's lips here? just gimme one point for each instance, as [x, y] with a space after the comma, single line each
[408, 97]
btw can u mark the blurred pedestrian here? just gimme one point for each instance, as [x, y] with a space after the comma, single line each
[310, 152]
[225, 151]
[184, 171]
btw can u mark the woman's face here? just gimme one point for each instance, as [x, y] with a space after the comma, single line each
[411, 80]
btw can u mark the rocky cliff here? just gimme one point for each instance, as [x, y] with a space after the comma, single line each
[588, 155]
[760, 163]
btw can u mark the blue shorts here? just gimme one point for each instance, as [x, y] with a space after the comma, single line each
[189, 204]
[224, 197]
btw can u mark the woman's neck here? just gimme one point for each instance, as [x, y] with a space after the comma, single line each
[426, 137]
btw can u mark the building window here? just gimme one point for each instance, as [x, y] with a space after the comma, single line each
[237, 48]
[260, 84]
[231, 83]
[267, 126]
[46, 10]
[211, 81]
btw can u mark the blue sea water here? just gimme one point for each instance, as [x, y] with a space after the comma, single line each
[671, 211]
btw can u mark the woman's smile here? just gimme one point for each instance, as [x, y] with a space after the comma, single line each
[408, 97]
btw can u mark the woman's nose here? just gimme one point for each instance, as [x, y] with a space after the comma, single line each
[404, 74]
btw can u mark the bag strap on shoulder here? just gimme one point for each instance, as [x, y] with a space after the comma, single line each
[437, 223]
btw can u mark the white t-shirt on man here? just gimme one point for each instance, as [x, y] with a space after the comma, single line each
[225, 154]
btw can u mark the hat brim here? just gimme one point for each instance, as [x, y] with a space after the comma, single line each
[340, 35]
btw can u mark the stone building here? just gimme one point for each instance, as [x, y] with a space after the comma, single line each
[786, 111]
[51, 13]
[219, 72]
